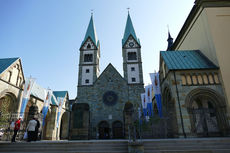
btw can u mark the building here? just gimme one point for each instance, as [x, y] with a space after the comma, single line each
[11, 90]
[195, 75]
[105, 103]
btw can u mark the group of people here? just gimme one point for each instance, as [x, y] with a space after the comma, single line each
[32, 129]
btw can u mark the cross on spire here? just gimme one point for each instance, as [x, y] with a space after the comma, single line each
[128, 9]
[91, 12]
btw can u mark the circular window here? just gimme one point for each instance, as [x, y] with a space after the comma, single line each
[110, 98]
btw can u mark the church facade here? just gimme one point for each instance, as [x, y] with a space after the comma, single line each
[106, 103]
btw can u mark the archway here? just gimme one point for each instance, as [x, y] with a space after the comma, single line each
[117, 130]
[64, 128]
[207, 112]
[8, 104]
[169, 111]
[8, 113]
[46, 128]
[104, 131]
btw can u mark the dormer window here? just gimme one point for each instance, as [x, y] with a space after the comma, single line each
[132, 56]
[88, 58]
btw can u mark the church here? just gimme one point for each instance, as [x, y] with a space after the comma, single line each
[106, 103]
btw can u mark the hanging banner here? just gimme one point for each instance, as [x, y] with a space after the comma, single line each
[47, 102]
[144, 104]
[156, 87]
[26, 95]
[60, 103]
[148, 92]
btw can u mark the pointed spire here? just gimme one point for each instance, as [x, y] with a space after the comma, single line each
[129, 30]
[170, 41]
[91, 32]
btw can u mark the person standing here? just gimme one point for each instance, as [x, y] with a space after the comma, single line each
[37, 129]
[16, 128]
[31, 130]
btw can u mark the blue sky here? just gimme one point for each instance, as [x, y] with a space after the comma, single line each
[47, 34]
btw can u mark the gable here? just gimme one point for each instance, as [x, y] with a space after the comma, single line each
[131, 43]
[88, 45]
[13, 73]
[110, 74]
[5, 63]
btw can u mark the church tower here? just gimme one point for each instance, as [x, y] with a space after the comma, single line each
[89, 57]
[131, 52]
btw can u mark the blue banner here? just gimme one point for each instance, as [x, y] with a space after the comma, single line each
[156, 88]
[46, 105]
[60, 103]
[26, 95]
[148, 92]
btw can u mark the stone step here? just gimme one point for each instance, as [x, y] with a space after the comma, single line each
[198, 145]
[65, 147]
[190, 151]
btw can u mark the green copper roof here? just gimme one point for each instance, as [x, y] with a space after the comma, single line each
[91, 33]
[129, 30]
[6, 62]
[186, 60]
[60, 93]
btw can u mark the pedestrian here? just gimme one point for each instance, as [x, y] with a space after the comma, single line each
[31, 130]
[16, 128]
[37, 129]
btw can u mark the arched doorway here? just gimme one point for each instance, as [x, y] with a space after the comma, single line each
[117, 130]
[104, 131]
[207, 111]
[64, 128]
[46, 128]
[128, 117]
[169, 111]
[8, 104]
[8, 113]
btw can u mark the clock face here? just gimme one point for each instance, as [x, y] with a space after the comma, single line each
[110, 98]
[131, 44]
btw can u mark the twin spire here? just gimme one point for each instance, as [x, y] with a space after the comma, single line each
[129, 30]
[91, 32]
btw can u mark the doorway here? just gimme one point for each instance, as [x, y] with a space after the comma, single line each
[104, 130]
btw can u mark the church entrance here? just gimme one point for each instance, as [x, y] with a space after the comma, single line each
[205, 120]
[206, 109]
[117, 130]
[104, 130]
